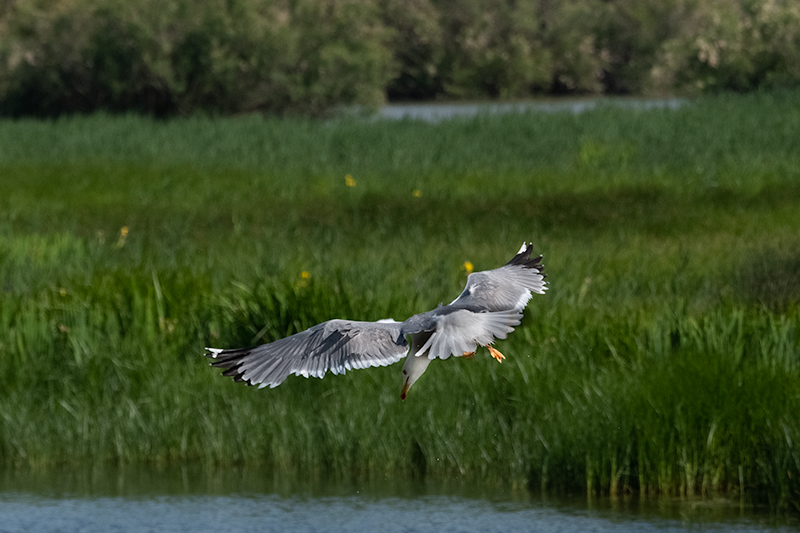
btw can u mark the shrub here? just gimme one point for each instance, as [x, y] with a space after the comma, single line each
[182, 56]
[493, 48]
[731, 45]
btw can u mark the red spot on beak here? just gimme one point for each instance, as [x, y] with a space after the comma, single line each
[404, 391]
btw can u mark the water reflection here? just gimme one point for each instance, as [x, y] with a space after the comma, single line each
[139, 500]
[436, 112]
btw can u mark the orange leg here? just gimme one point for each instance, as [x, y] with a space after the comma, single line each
[495, 353]
[468, 355]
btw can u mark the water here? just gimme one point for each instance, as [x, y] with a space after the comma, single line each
[271, 513]
[178, 500]
[436, 112]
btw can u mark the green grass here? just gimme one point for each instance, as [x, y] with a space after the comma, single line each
[664, 359]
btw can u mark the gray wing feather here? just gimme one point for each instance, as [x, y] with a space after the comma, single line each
[335, 345]
[488, 308]
[505, 288]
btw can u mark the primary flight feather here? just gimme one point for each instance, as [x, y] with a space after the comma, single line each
[488, 309]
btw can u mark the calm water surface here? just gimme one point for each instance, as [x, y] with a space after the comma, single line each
[437, 111]
[181, 500]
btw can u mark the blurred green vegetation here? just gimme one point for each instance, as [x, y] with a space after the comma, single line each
[290, 57]
[183, 56]
[664, 359]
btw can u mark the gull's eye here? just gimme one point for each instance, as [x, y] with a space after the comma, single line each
[405, 372]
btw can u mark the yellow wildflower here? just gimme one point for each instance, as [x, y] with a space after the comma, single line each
[468, 267]
[349, 181]
[417, 193]
[303, 281]
[123, 234]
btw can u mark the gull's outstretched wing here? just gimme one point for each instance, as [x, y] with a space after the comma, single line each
[489, 308]
[505, 288]
[335, 345]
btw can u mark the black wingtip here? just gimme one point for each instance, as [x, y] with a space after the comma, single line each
[523, 258]
[230, 361]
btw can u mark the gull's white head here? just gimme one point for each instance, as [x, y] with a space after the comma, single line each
[413, 368]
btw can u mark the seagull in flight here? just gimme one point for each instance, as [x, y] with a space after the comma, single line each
[488, 309]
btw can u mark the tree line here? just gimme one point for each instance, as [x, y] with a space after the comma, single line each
[286, 57]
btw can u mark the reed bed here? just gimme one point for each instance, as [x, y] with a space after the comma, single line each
[664, 359]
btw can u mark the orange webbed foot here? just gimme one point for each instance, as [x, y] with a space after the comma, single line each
[495, 353]
[468, 355]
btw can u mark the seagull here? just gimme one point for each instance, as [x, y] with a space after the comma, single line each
[489, 307]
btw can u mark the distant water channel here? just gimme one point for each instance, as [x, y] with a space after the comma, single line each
[243, 501]
[436, 112]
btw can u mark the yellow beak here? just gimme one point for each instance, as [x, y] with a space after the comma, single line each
[404, 391]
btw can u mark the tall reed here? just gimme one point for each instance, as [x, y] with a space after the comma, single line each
[652, 365]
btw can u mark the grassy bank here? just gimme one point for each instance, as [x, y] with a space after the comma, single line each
[664, 358]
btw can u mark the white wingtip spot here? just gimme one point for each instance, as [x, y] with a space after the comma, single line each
[524, 247]
[214, 351]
